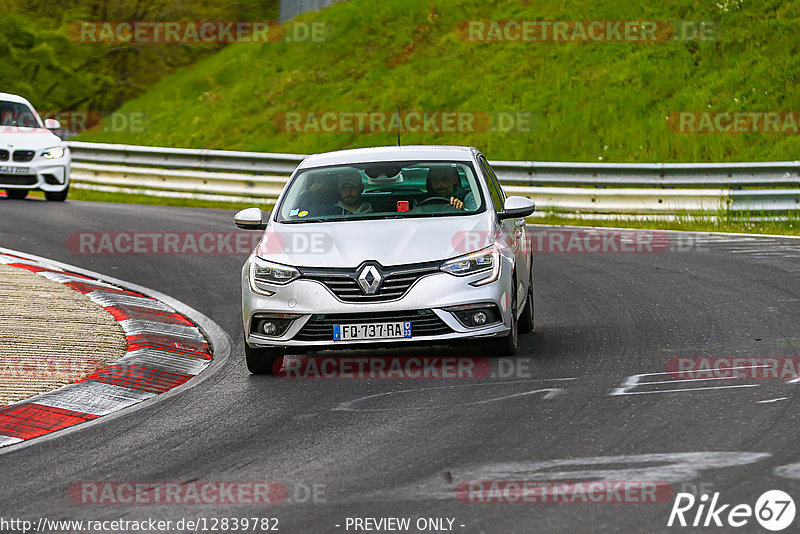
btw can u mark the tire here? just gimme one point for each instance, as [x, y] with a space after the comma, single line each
[57, 196]
[526, 319]
[509, 344]
[262, 361]
[17, 194]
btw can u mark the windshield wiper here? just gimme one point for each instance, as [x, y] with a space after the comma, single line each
[306, 221]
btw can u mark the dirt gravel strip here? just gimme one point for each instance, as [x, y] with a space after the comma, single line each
[112, 346]
[50, 335]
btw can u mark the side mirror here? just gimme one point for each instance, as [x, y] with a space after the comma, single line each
[52, 124]
[517, 207]
[251, 219]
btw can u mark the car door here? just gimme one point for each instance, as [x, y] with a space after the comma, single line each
[513, 231]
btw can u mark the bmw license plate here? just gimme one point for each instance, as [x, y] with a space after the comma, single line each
[397, 329]
[15, 170]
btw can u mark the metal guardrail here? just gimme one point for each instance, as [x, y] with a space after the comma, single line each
[724, 175]
[633, 188]
[185, 158]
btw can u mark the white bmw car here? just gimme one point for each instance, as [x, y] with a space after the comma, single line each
[388, 246]
[31, 156]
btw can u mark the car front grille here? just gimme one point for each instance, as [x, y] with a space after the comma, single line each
[17, 179]
[423, 323]
[343, 283]
[23, 155]
[3, 155]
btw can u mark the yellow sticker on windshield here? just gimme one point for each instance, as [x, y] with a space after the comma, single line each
[302, 214]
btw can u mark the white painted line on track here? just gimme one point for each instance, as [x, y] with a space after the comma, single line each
[685, 389]
[549, 393]
[634, 381]
[772, 400]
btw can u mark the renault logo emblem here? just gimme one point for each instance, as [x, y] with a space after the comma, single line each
[369, 279]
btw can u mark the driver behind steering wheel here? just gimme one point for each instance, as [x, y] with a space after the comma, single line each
[445, 183]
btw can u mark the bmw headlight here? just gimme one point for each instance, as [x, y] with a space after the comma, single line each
[486, 260]
[264, 274]
[53, 153]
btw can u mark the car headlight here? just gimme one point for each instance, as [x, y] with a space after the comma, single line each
[264, 274]
[53, 153]
[486, 260]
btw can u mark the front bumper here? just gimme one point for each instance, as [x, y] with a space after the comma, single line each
[45, 175]
[435, 292]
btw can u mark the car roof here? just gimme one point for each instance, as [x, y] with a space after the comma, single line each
[8, 97]
[391, 153]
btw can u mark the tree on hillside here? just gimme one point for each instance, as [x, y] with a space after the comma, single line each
[47, 59]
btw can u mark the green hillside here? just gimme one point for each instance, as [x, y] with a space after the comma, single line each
[590, 101]
[46, 60]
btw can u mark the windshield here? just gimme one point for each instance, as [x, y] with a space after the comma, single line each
[380, 190]
[16, 114]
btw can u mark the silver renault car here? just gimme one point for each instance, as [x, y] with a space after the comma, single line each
[387, 246]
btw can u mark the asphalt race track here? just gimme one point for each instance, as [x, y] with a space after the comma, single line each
[576, 404]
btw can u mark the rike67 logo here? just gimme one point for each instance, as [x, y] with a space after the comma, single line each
[774, 510]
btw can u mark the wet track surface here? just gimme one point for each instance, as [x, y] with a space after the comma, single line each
[583, 400]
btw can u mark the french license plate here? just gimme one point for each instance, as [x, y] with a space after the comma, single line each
[15, 170]
[397, 329]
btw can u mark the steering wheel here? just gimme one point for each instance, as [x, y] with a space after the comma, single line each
[434, 199]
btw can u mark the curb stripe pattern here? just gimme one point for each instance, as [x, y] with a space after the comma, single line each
[26, 421]
[165, 349]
